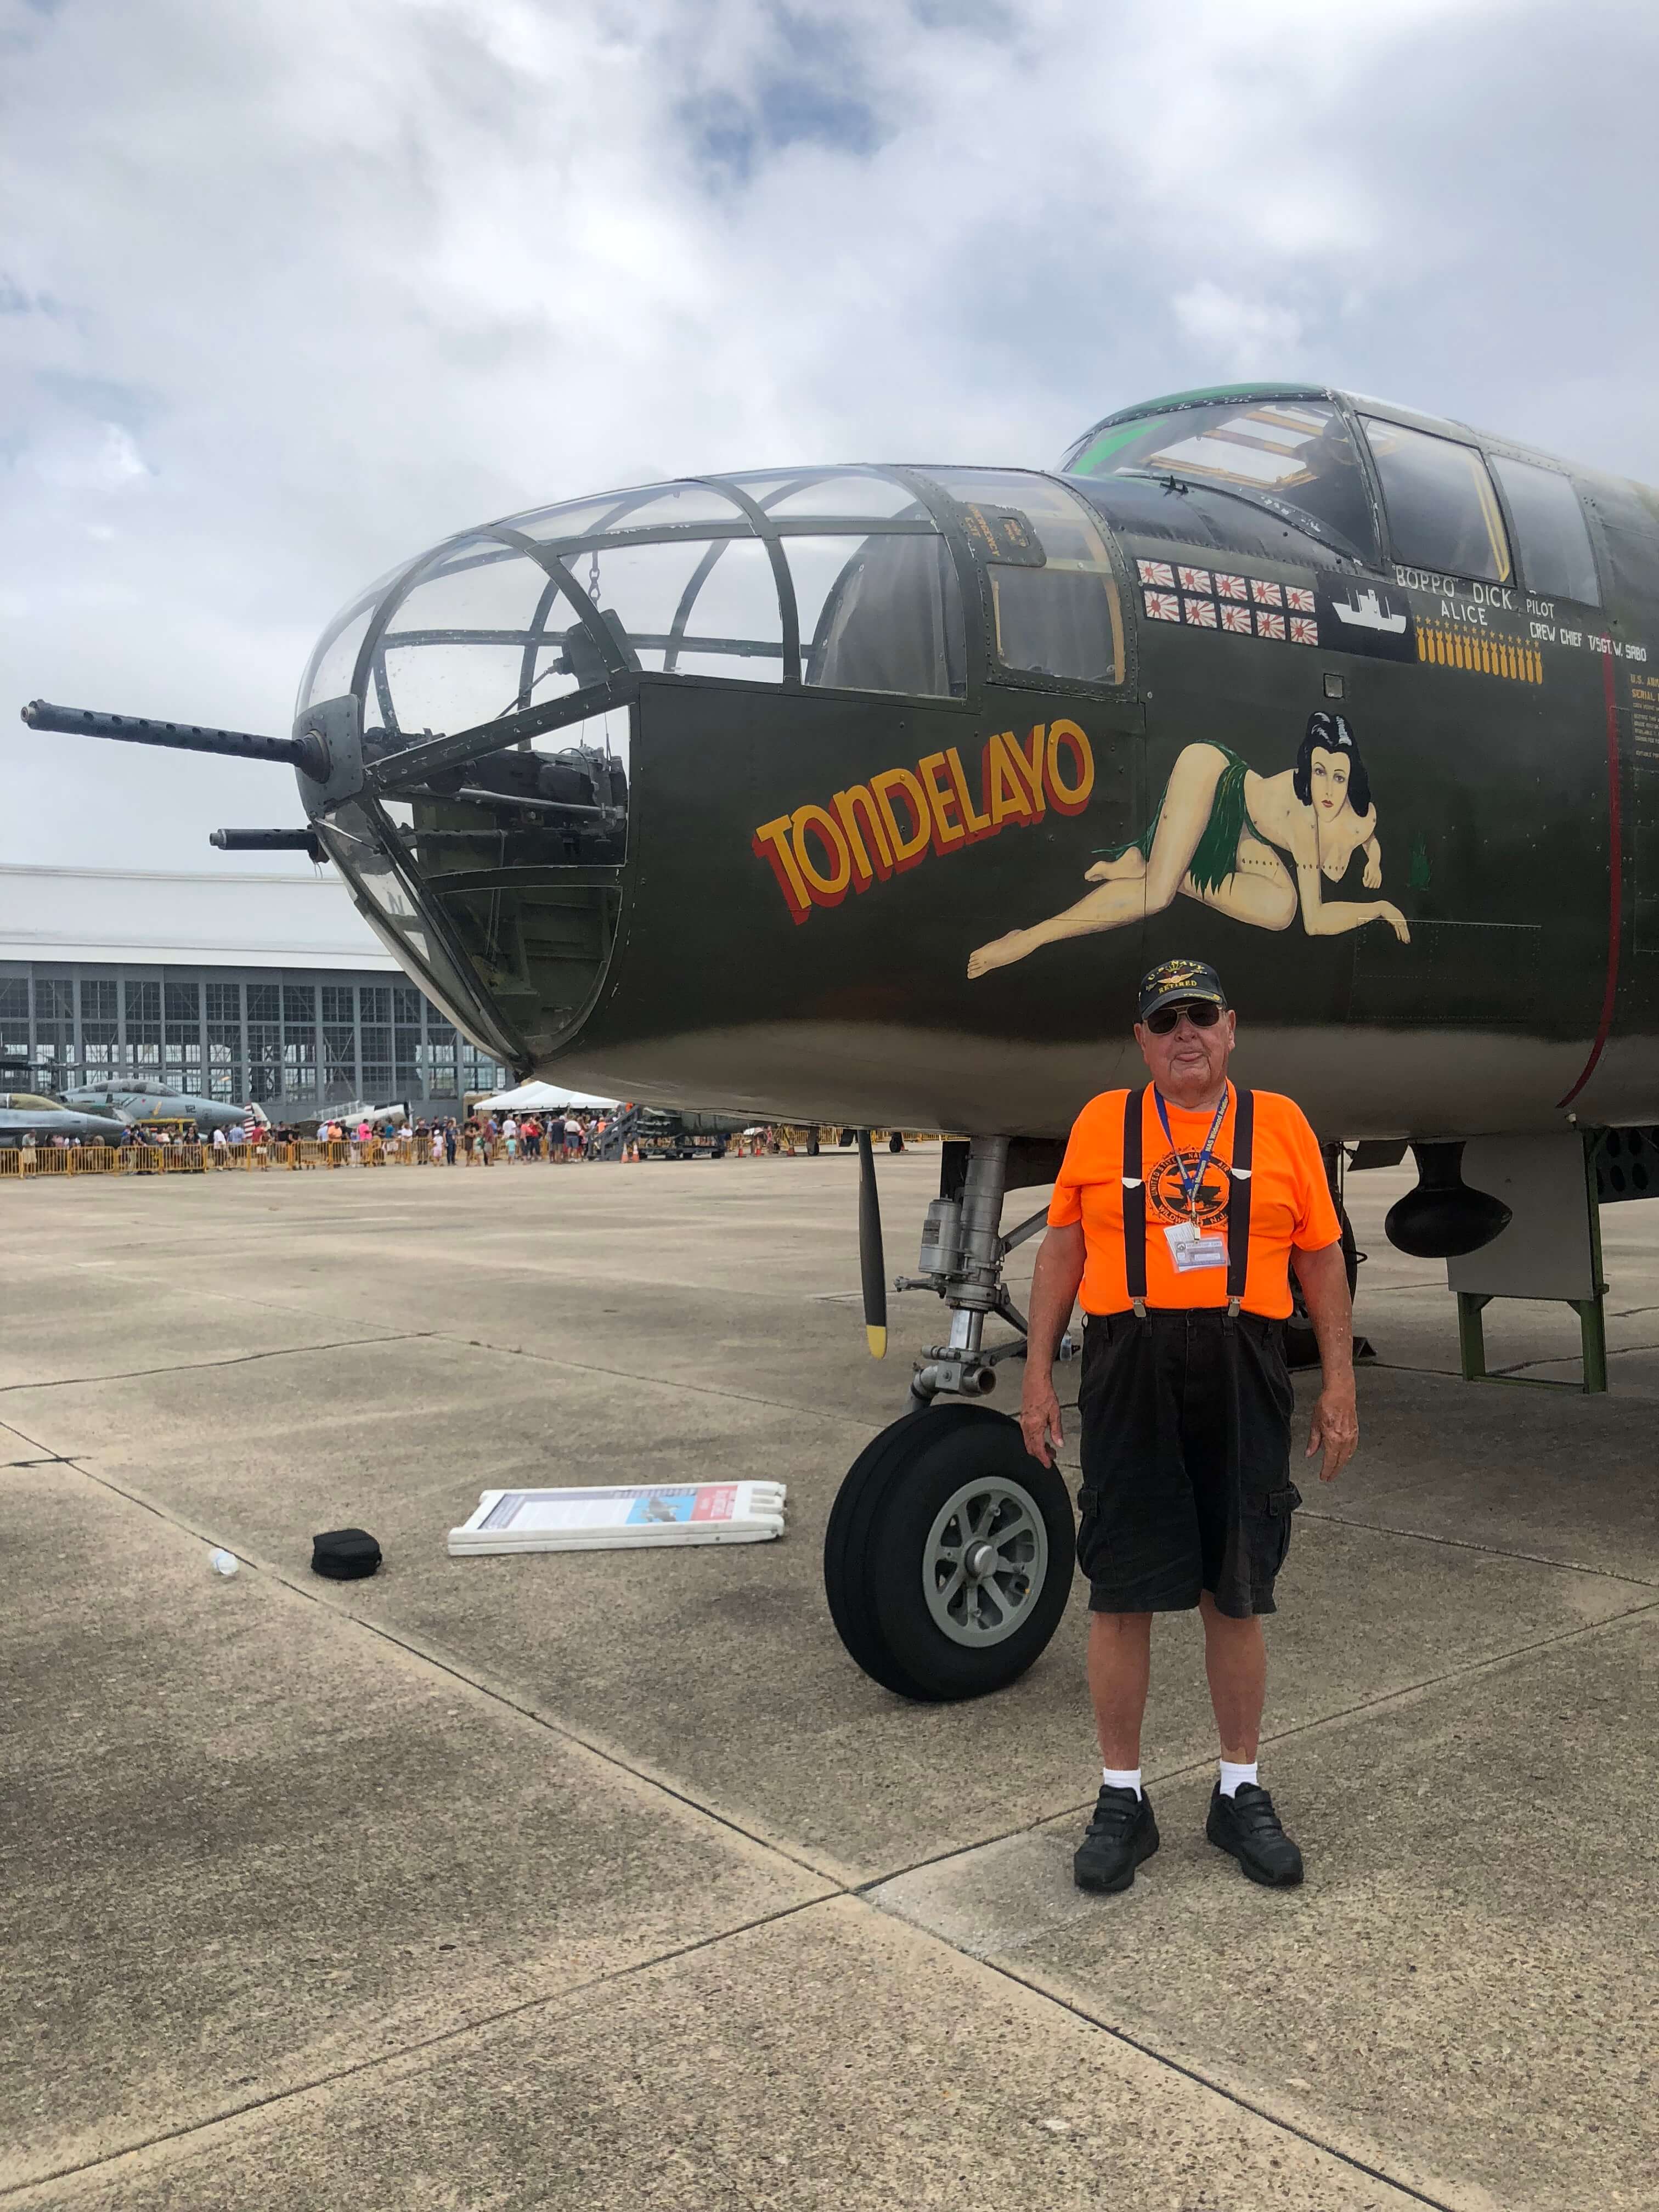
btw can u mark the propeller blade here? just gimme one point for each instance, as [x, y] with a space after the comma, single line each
[870, 1261]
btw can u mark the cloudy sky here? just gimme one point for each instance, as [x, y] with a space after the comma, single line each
[290, 287]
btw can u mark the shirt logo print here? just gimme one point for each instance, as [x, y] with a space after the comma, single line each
[1163, 1189]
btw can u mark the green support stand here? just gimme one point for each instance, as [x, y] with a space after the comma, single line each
[1593, 1335]
[1592, 1317]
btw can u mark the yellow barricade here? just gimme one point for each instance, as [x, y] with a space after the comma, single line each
[16, 1162]
[94, 1159]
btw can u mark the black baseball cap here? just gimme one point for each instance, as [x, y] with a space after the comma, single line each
[1173, 981]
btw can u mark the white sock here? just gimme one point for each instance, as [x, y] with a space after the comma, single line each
[1232, 1774]
[1122, 1778]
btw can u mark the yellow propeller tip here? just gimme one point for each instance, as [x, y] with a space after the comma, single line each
[877, 1340]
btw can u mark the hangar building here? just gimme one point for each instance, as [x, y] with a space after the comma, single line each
[233, 985]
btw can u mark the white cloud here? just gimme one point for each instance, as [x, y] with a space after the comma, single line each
[292, 288]
[100, 458]
[1247, 338]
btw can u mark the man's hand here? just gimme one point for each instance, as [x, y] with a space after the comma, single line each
[1336, 1426]
[1055, 1282]
[1323, 1275]
[1039, 1417]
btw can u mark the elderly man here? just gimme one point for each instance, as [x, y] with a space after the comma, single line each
[1179, 1208]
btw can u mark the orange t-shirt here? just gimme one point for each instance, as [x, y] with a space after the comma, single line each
[1290, 1200]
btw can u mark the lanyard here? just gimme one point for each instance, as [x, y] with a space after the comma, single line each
[1190, 1185]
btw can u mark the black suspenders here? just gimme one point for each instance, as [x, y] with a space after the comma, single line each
[1238, 1201]
[1135, 1204]
[1239, 1184]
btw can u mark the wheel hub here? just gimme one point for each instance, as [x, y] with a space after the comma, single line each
[985, 1561]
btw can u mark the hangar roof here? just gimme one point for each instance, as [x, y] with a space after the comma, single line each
[133, 916]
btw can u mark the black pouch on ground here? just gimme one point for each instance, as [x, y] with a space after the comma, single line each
[345, 1555]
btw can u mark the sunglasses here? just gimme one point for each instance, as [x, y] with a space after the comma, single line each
[1202, 1013]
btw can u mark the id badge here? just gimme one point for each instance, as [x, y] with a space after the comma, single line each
[1190, 1248]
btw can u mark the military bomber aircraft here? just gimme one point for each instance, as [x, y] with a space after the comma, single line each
[864, 794]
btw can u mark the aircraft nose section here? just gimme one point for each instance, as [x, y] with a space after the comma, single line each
[483, 710]
[477, 706]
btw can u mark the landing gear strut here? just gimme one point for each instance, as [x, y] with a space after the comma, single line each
[948, 1559]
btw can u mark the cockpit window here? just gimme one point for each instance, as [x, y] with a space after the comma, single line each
[885, 616]
[1549, 527]
[1443, 511]
[1053, 600]
[692, 579]
[1294, 457]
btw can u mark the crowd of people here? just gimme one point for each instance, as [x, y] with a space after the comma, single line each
[482, 1139]
[478, 1139]
[153, 1140]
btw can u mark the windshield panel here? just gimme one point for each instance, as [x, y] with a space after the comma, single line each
[1054, 599]
[886, 613]
[1294, 456]
[1443, 511]
[1549, 524]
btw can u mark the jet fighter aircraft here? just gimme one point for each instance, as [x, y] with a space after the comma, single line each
[39, 1115]
[864, 794]
[144, 1098]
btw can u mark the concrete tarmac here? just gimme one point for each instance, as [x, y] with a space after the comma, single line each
[608, 1880]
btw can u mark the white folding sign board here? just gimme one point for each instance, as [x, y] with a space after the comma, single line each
[626, 1518]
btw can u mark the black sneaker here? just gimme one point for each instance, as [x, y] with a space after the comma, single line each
[1246, 1825]
[1121, 1833]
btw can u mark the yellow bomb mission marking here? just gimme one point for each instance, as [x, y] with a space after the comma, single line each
[877, 830]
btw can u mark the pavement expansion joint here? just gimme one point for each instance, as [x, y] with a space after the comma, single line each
[232, 1360]
[1190, 1768]
[674, 1383]
[1038, 1987]
[1487, 1550]
[859, 1893]
[480, 2024]
[840, 1879]
[45, 1455]
[1557, 1358]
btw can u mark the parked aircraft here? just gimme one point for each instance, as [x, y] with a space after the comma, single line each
[37, 1114]
[144, 1098]
[351, 1115]
[863, 795]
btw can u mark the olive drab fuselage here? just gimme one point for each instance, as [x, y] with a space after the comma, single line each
[914, 888]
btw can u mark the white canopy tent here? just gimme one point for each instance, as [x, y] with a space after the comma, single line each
[539, 1098]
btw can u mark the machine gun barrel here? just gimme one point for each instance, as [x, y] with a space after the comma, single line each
[305, 752]
[267, 841]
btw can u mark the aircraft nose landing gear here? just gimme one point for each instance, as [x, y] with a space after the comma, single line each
[948, 1558]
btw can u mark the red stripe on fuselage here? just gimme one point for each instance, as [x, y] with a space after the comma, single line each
[1615, 889]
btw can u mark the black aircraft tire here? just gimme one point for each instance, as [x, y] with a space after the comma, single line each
[847, 1540]
[876, 1543]
[990, 1449]
[1301, 1345]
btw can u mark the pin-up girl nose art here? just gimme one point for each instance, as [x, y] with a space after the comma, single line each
[1258, 848]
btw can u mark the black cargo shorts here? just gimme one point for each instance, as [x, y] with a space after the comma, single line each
[1186, 1421]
